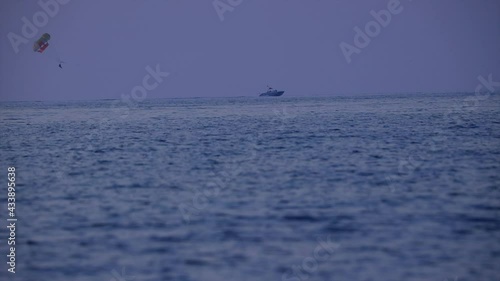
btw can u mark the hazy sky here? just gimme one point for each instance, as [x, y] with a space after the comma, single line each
[292, 45]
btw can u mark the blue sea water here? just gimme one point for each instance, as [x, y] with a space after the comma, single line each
[384, 187]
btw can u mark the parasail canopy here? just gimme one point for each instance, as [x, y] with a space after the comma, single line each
[42, 43]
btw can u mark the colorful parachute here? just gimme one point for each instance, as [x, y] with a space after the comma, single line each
[42, 43]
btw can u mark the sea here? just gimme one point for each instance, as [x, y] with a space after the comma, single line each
[392, 187]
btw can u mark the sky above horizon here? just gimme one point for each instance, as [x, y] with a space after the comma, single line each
[292, 45]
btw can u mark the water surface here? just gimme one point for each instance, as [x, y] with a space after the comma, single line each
[406, 186]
